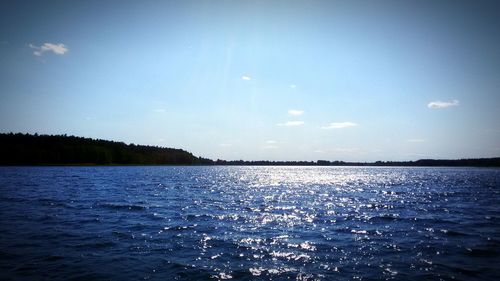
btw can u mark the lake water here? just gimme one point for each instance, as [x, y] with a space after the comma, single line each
[249, 223]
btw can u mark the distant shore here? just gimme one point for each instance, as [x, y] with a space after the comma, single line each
[479, 162]
[243, 165]
[61, 150]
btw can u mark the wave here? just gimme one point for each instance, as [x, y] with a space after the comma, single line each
[123, 207]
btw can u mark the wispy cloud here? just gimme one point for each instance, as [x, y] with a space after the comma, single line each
[347, 150]
[58, 49]
[269, 146]
[246, 78]
[340, 125]
[225, 144]
[442, 104]
[341, 150]
[291, 123]
[293, 86]
[160, 110]
[295, 112]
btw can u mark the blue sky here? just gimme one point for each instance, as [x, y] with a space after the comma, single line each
[277, 80]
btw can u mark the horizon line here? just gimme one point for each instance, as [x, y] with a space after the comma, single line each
[312, 162]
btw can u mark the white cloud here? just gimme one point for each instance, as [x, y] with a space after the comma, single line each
[341, 150]
[347, 150]
[160, 110]
[442, 104]
[340, 125]
[225, 144]
[270, 144]
[295, 112]
[291, 123]
[58, 49]
[246, 78]
[269, 147]
[293, 86]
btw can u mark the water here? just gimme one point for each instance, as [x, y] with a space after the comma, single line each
[249, 223]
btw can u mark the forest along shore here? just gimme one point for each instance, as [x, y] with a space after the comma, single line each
[28, 149]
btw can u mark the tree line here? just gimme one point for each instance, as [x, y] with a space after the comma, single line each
[480, 162]
[27, 149]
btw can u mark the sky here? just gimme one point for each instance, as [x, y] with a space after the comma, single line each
[258, 80]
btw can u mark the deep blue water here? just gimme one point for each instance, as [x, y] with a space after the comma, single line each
[249, 223]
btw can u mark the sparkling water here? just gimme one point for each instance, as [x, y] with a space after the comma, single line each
[249, 223]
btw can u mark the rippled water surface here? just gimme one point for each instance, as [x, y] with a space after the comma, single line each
[249, 223]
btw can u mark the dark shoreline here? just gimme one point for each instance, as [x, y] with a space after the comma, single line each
[62, 150]
[245, 165]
